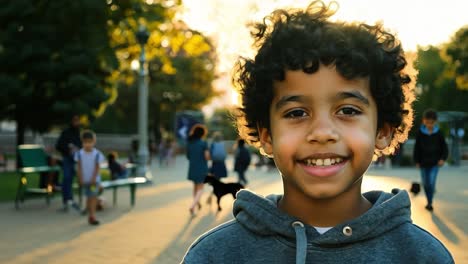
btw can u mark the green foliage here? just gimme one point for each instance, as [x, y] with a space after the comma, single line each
[442, 76]
[457, 51]
[58, 58]
[181, 65]
[55, 60]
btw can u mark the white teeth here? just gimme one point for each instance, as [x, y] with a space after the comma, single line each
[323, 162]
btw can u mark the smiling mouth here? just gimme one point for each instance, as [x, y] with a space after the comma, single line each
[322, 162]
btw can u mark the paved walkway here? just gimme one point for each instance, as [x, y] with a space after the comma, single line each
[159, 229]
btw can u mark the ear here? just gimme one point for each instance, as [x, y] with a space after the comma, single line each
[384, 136]
[265, 140]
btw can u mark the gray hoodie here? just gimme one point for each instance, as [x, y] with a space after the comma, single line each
[261, 233]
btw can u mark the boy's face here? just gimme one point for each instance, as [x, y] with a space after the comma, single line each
[88, 144]
[323, 131]
[429, 123]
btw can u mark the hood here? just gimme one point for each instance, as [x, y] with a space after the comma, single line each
[424, 130]
[262, 216]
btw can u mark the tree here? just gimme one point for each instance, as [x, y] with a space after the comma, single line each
[55, 60]
[430, 67]
[442, 76]
[181, 65]
[457, 52]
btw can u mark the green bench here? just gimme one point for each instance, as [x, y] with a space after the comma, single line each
[32, 160]
[131, 182]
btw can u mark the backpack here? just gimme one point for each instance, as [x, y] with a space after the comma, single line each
[218, 153]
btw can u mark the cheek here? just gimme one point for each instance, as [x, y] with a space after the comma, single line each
[361, 142]
[285, 137]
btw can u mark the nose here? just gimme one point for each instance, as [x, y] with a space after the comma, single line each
[322, 130]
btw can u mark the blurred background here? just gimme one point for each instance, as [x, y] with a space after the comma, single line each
[59, 58]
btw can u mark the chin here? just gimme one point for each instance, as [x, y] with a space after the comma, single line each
[322, 194]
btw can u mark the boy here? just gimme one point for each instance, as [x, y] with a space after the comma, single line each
[89, 159]
[323, 99]
[430, 153]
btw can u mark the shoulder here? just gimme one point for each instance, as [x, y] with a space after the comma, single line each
[77, 155]
[421, 243]
[222, 237]
[100, 154]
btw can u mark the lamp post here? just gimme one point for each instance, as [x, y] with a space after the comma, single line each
[142, 36]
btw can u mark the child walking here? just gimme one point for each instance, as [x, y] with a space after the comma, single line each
[88, 160]
[323, 99]
[430, 153]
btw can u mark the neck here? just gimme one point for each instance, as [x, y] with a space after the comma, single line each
[326, 212]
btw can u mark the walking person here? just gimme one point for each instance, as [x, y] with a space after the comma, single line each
[67, 144]
[242, 159]
[323, 98]
[430, 153]
[218, 157]
[89, 160]
[198, 156]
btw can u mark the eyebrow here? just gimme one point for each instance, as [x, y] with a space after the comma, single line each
[353, 95]
[340, 96]
[286, 99]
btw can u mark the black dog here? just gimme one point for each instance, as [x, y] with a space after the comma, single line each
[220, 188]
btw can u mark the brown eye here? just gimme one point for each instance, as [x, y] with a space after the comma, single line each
[296, 113]
[349, 111]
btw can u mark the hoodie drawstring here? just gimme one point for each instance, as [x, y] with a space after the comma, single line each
[301, 242]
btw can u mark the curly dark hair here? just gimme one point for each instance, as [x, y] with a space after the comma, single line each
[305, 39]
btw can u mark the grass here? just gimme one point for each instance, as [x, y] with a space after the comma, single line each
[9, 183]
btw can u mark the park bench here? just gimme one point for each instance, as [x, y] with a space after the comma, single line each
[32, 160]
[131, 182]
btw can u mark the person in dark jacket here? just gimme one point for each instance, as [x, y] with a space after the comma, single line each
[241, 161]
[117, 170]
[430, 152]
[67, 144]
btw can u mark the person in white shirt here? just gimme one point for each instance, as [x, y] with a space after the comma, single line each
[89, 159]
